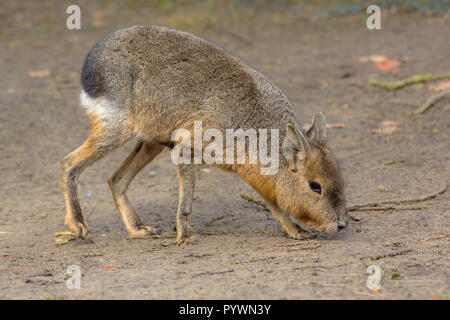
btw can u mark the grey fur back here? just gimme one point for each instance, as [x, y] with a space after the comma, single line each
[167, 76]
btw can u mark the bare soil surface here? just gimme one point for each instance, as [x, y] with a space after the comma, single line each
[316, 63]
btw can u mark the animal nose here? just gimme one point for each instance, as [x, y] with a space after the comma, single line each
[341, 225]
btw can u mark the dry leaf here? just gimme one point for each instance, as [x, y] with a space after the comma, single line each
[109, 267]
[444, 85]
[383, 63]
[387, 65]
[41, 74]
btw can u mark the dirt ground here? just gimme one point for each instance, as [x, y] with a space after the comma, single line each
[315, 61]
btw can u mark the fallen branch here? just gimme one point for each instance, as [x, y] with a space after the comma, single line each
[211, 273]
[251, 199]
[291, 244]
[247, 231]
[303, 248]
[442, 236]
[392, 254]
[430, 102]
[397, 202]
[393, 208]
[394, 85]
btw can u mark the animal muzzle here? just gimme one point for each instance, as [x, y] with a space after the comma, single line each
[341, 224]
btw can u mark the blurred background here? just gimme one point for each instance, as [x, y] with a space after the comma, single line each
[324, 58]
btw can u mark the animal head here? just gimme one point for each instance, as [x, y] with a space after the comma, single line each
[310, 186]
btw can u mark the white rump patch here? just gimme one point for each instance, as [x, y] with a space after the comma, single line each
[104, 109]
[101, 107]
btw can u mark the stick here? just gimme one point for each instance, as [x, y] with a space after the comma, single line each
[384, 208]
[303, 248]
[248, 231]
[291, 244]
[397, 202]
[394, 85]
[211, 273]
[251, 199]
[392, 254]
[430, 102]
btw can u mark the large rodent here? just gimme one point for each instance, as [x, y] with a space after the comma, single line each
[148, 81]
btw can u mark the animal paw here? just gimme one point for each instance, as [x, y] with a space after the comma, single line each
[77, 230]
[141, 232]
[300, 236]
[185, 238]
[65, 237]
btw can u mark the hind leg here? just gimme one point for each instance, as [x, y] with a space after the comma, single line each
[102, 139]
[186, 176]
[142, 154]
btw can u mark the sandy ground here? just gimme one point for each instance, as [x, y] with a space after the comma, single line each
[316, 63]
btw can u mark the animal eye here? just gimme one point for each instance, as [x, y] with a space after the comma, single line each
[315, 186]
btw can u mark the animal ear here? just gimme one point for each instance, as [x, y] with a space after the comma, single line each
[295, 143]
[318, 130]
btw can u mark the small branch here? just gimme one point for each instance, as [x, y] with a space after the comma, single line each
[247, 231]
[385, 208]
[304, 248]
[442, 236]
[397, 202]
[211, 273]
[300, 243]
[430, 102]
[392, 254]
[251, 199]
[394, 85]
[213, 220]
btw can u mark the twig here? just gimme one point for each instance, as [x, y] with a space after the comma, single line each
[392, 254]
[291, 244]
[385, 208]
[251, 199]
[211, 273]
[329, 284]
[430, 102]
[317, 246]
[397, 202]
[210, 222]
[433, 238]
[394, 85]
[402, 102]
[247, 231]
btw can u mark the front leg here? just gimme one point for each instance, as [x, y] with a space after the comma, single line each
[286, 223]
[186, 178]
